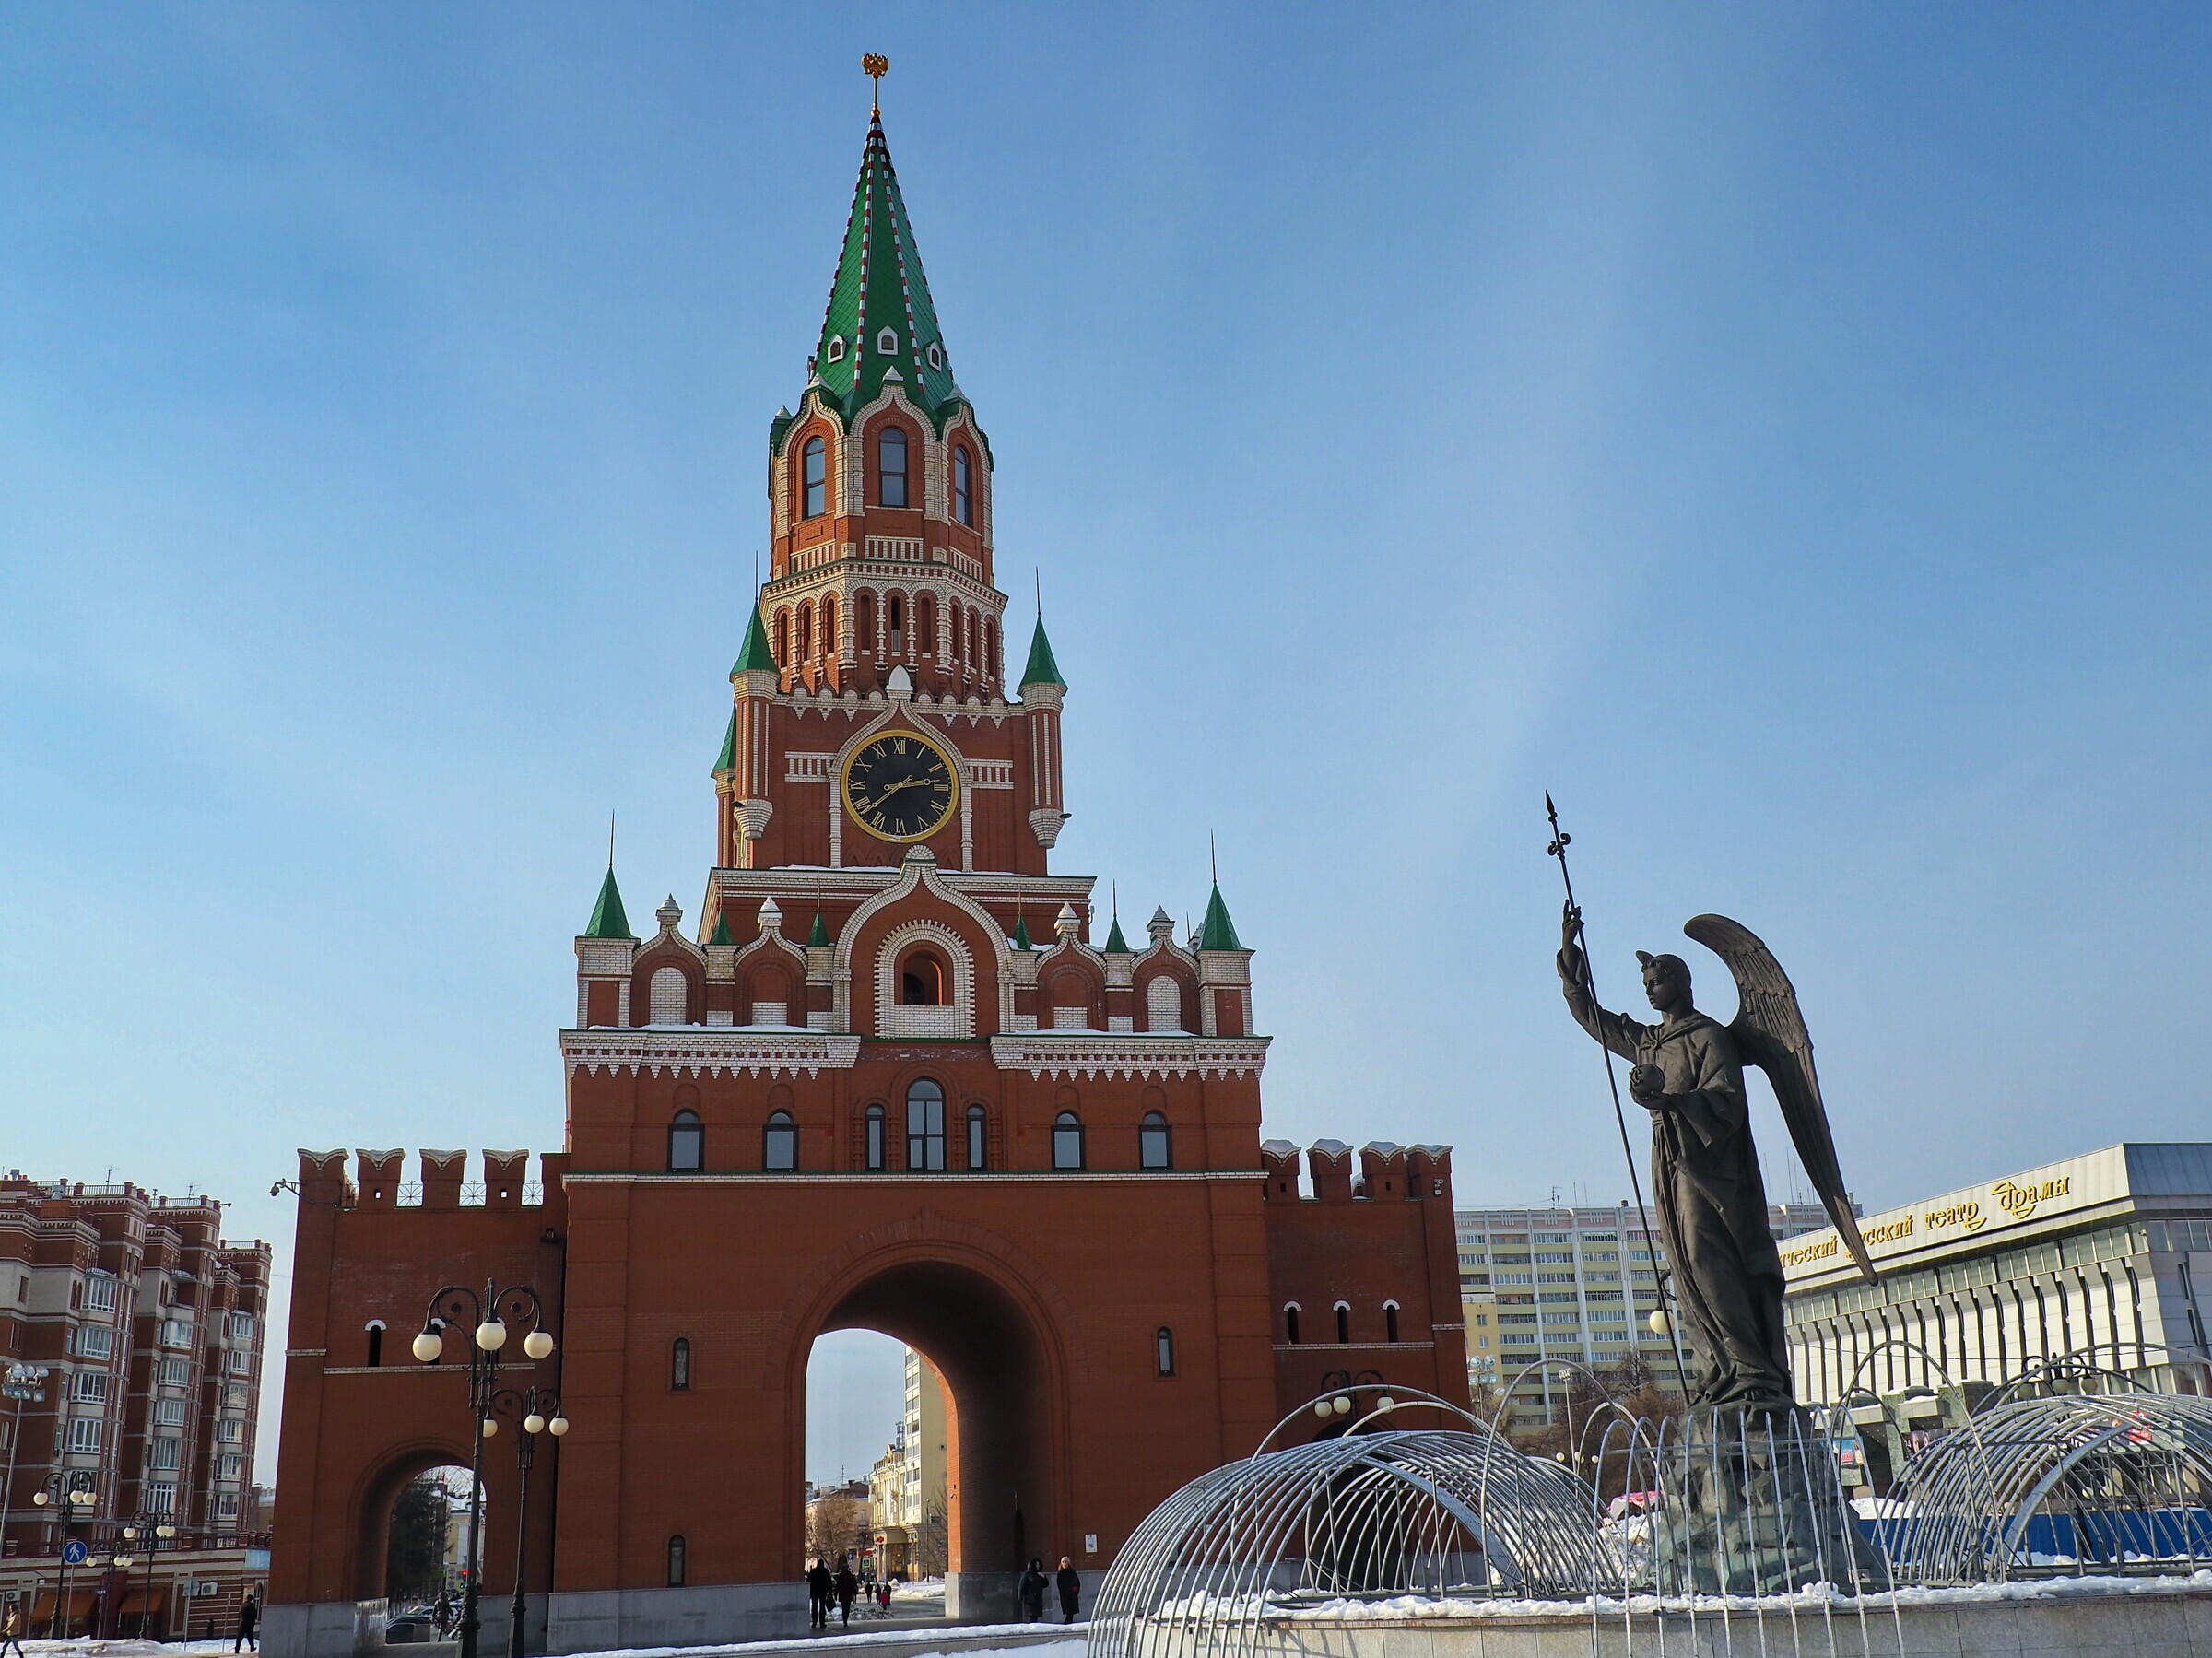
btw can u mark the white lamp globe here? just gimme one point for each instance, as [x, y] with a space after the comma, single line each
[1386, 1402]
[430, 1347]
[557, 1426]
[538, 1344]
[1660, 1322]
[492, 1335]
[491, 1429]
[534, 1423]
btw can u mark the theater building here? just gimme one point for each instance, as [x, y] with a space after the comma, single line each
[887, 1076]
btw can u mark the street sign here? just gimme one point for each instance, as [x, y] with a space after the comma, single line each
[74, 1553]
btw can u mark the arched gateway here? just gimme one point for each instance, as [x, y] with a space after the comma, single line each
[885, 1081]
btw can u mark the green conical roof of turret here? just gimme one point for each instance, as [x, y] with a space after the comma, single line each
[722, 928]
[1022, 932]
[727, 760]
[819, 938]
[753, 656]
[1043, 669]
[1217, 932]
[879, 288]
[1115, 943]
[607, 919]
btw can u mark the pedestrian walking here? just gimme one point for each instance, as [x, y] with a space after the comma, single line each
[1070, 1582]
[11, 1627]
[249, 1624]
[885, 1591]
[820, 1586]
[848, 1591]
[1032, 1591]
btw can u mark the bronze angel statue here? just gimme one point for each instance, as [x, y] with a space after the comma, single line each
[1688, 1073]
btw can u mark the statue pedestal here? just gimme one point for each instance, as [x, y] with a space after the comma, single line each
[1752, 1506]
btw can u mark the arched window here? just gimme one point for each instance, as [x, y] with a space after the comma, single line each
[687, 1144]
[1344, 1321]
[1390, 1321]
[991, 665]
[814, 475]
[863, 621]
[1163, 1004]
[671, 991]
[679, 1365]
[780, 1143]
[925, 1126]
[1163, 1346]
[890, 467]
[805, 632]
[1152, 1144]
[963, 485]
[886, 343]
[922, 981]
[376, 1343]
[1290, 1311]
[676, 1561]
[1067, 1141]
[979, 1137]
[836, 353]
[873, 1150]
[830, 625]
[925, 624]
[783, 638]
[898, 628]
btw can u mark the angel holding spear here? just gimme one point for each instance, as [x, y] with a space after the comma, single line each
[1688, 1073]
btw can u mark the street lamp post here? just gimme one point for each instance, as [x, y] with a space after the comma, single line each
[489, 1317]
[152, 1530]
[536, 1411]
[72, 1494]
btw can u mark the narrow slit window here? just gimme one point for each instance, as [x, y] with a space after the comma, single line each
[1390, 1321]
[1344, 1323]
[1164, 1350]
[679, 1365]
[1067, 1141]
[873, 1150]
[1154, 1147]
[676, 1561]
[815, 485]
[979, 1137]
[890, 467]
[780, 1143]
[963, 486]
[687, 1144]
[1291, 1323]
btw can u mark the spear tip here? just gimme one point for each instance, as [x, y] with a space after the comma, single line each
[1550, 810]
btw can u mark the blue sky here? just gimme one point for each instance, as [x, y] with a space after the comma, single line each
[1779, 432]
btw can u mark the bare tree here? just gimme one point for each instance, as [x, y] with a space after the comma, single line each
[933, 1534]
[835, 1525]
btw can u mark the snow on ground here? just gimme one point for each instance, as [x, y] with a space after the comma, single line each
[1072, 1648]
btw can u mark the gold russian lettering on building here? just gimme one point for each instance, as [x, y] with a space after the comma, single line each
[1968, 1215]
[2019, 1202]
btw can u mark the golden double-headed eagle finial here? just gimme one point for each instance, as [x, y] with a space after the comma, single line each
[876, 66]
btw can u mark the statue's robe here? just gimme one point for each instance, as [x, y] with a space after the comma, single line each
[1712, 1205]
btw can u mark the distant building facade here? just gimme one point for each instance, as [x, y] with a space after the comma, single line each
[1542, 1289]
[131, 1334]
[910, 1491]
[2106, 1259]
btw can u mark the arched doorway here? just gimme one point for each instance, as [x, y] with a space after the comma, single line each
[1006, 1428]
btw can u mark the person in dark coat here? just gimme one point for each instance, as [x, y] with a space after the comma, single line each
[1032, 1591]
[848, 1591]
[249, 1624]
[1070, 1582]
[820, 1586]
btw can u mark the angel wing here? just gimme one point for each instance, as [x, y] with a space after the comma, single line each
[1770, 1032]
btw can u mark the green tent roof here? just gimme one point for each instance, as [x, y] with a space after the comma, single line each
[727, 761]
[722, 928]
[1115, 944]
[819, 938]
[1021, 932]
[754, 656]
[879, 286]
[1217, 932]
[1042, 669]
[607, 919]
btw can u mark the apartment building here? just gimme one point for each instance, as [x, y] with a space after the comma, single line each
[133, 1331]
[1545, 1289]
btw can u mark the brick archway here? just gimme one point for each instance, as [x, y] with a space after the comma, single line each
[374, 1495]
[988, 1329]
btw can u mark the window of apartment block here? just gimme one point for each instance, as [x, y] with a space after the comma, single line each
[95, 1341]
[83, 1433]
[176, 1333]
[226, 1505]
[99, 1294]
[234, 1396]
[228, 1467]
[162, 1496]
[241, 1362]
[242, 1326]
[169, 1413]
[90, 1387]
[165, 1452]
[233, 1430]
[174, 1372]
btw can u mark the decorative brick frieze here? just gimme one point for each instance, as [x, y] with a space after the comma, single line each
[738, 1052]
[1095, 1054]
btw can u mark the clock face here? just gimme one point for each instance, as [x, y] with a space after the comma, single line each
[901, 786]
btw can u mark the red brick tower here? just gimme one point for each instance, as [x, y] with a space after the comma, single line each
[884, 1081]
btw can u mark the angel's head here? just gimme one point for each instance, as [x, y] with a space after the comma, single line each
[1665, 981]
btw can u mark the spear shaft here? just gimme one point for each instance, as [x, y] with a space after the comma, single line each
[1558, 849]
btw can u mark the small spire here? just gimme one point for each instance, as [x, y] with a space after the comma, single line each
[607, 919]
[722, 928]
[818, 938]
[1218, 932]
[1042, 668]
[727, 760]
[754, 656]
[875, 65]
[1022, 932]
[1115, 943]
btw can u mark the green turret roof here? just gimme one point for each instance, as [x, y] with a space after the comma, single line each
[1217, 932]
[818, 938]
[607, 919]
[722, 928]
[727, 761]
[753, 656]
[879, 286]
[1115, 944]
[1043, 669]
[1022, 932]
